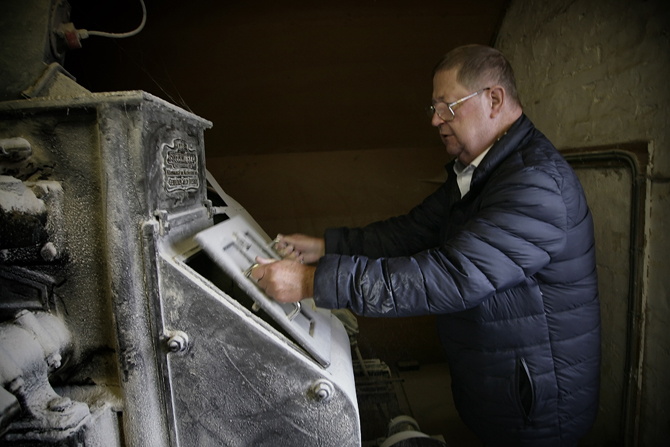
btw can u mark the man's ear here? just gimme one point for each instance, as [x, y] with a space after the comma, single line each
[498, 98]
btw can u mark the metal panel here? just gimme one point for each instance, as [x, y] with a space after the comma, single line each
[234, 245]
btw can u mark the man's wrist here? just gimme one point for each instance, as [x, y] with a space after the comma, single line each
[308, 281]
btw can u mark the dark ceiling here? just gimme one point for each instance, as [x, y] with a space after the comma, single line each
[292, 76]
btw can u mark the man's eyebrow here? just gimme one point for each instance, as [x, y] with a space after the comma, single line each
[441, 99]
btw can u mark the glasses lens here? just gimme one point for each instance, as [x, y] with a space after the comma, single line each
[444, 112]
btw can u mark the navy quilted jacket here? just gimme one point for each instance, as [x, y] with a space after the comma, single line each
[510, 271]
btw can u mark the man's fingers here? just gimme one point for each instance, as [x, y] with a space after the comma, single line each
[257, 271]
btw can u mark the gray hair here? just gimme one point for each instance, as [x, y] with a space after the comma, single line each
[478, 64]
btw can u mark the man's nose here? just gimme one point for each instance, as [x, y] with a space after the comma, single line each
[436, 121]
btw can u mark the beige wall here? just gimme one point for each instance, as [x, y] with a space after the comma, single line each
[594, 73]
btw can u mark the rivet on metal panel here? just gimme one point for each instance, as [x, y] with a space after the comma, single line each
[322, 390]
[178, 341]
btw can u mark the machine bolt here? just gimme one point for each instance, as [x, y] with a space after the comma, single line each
[49, 252]
[54, 360]
[15, 149]
[322, 390]
[178, 342]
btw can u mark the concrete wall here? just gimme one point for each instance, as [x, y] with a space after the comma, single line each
[594, 73]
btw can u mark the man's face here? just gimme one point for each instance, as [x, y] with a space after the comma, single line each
[468, 135]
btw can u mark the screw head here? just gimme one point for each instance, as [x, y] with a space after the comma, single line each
[322, 390]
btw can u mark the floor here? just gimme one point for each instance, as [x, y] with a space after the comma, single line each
[427, 390]
[420, 391]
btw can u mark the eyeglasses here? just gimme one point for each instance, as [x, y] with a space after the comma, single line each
[445, 111]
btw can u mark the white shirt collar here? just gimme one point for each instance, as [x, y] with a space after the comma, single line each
[464, 173]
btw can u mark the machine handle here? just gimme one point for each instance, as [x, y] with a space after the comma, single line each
[294, 313]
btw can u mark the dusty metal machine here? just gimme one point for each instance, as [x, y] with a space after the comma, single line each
[116, 327]
[126, 316]
[106, 295]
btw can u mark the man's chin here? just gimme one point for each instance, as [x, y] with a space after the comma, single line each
[453, 151]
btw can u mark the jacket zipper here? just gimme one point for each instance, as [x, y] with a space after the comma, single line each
[527, 403]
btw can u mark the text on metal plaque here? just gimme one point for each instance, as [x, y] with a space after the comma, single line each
[180, 163]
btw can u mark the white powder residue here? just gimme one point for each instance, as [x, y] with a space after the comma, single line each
[15, 196]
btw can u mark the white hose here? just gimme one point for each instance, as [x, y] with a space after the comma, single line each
[83, 34]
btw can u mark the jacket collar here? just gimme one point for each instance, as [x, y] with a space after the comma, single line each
[501, 149]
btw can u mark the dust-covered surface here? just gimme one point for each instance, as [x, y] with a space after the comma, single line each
[16, 197]
[240, 383]
[60, 186]
[97, 180]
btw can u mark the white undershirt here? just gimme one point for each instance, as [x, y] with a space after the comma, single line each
[464, 173]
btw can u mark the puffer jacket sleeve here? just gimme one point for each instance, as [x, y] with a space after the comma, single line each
[520, 225]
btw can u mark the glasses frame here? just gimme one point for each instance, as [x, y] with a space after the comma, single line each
[432, 110]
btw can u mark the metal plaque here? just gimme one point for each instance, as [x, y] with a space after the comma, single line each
[180, 164]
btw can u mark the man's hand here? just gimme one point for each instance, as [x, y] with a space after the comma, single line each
[286, 281]
[300, 247]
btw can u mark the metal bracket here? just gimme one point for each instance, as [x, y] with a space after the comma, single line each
[210, 209]
[162, 217]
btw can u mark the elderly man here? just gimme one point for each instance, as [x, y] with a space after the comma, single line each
[503, 253]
